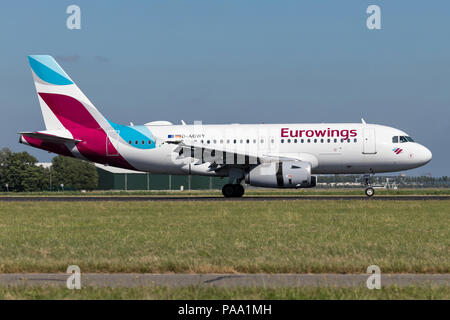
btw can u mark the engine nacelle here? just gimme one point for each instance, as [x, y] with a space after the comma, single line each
[288, 174]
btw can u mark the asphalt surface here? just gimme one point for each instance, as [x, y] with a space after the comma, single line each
[213, 198]
[129, 280]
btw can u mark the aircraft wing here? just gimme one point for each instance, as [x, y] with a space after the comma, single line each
[219, 155]
[214, 155]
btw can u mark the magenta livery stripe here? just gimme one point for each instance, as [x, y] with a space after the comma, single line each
[74, 116]
[69, 111]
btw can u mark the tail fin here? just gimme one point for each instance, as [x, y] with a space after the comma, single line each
[63, 105]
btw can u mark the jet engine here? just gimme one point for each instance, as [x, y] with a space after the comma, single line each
[287, 174]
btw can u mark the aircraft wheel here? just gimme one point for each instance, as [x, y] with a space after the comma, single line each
[228, 190]
[369, 192]
[238, 190]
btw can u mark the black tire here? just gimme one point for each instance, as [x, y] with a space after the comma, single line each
[228, 190]
[369, 192]
[238, 190]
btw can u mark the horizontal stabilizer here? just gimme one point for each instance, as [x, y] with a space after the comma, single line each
[49, 137]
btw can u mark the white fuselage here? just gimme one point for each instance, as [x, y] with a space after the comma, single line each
[330, 148]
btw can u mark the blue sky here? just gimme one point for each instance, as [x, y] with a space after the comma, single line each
[238, 61]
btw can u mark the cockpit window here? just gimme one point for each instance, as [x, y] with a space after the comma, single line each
[402, 139]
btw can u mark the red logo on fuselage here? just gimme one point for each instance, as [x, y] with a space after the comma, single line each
[329, 133]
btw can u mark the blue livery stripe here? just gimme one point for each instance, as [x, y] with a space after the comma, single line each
[135, 133]
[46, 68]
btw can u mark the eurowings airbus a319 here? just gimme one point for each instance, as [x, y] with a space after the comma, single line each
[265, 155]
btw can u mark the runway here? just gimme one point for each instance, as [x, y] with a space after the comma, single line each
[214, 198]
[129, 280]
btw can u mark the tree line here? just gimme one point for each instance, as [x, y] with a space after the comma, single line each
[19, 172]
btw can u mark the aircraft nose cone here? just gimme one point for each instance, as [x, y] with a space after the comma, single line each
[426, 155]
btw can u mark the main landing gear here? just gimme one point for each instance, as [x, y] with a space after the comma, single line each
[233, 190]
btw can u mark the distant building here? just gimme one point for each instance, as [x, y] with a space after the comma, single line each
[112, 178]
[45, 165]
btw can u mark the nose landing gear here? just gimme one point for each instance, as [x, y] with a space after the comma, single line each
[233, 190]
[370, 191]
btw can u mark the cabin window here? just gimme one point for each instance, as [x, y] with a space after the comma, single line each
[282, 140]
[234, 141]
[295, 140]
[309, 140]
[355, 140]
[262, 140]
[328, 140]
[289, 140]
[315, 140]
[129, 142]
[335, 140]
[321, 140]
[272, 141]
[302, 141]
[248, 140]
[136, 142]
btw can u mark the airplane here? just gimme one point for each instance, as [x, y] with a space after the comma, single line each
[286, 155]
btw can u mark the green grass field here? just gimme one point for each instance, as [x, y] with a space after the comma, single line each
[204, 237]
[165, 293]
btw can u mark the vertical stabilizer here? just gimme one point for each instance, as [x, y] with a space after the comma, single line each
[63, 105]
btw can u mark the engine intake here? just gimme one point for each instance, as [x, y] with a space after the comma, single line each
[287, 174]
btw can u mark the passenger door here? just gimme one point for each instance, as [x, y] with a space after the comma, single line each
[369, 141]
